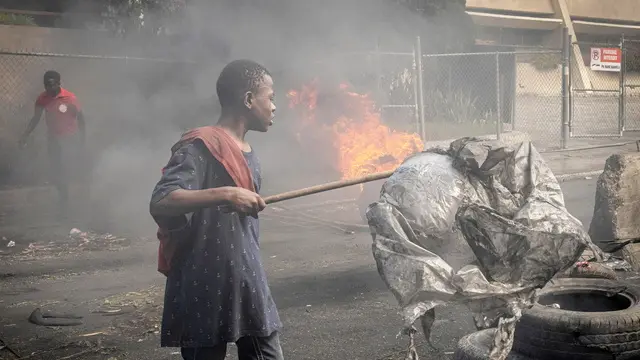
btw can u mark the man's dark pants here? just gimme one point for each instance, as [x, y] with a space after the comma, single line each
[249, 348]
[67, 166]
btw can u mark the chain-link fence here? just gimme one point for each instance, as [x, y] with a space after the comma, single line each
[595, 95]
[527, 91]
[466, 94]
[121, 95]
[115, 91]
[101, 82]
[388, 77]
[631, 90]
[494, 93]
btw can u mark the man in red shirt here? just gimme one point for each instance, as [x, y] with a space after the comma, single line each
[65, 134]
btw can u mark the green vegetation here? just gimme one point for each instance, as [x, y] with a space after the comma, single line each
[455, 108]
[632, 60]
[544, 62]
[16, 19]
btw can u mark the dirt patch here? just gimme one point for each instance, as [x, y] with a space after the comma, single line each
[143, 310]
[115, 325]
[77, 242]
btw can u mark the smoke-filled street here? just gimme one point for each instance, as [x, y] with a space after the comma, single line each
[307, 180]
[324, 280]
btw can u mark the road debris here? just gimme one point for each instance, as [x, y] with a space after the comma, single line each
[477, 346]
[38, 317]
[5, 348]
[76, 241]
[94, 334]
[114, 312]
[499, 199]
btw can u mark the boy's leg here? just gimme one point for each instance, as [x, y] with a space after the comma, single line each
[210, 353]
[260, 348]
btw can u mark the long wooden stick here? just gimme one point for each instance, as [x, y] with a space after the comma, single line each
[326, 187]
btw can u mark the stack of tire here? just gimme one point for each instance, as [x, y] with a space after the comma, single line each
[583, 318]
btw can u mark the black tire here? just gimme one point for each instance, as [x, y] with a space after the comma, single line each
[588, 328]
[476, 346]
[591, 270]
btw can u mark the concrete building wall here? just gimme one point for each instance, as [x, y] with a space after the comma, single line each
[528, 6]
[618, 10]
[41, 39]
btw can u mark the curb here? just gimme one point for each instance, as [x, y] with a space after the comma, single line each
[592, 147]
[575, 176]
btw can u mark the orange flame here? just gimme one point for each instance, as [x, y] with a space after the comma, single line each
[363, 144]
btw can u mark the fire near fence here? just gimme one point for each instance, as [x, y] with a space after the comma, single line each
[455, 95]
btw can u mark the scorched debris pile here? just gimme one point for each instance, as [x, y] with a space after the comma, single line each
[504, 202]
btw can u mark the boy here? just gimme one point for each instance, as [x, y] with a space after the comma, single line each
[207, 205]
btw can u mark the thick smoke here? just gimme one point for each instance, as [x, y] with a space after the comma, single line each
[142, 107]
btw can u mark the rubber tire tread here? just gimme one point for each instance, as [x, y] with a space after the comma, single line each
[593, 271]
[572, 346]
[475, 346]
[565, 334]
[545, 353]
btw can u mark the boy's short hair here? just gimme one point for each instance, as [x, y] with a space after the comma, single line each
[238, 77]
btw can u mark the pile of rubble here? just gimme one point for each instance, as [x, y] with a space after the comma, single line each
[588, 313]
[533, 289]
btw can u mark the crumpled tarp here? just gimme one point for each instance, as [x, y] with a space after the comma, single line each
[497, 207]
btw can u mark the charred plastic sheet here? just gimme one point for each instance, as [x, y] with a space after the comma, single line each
[483, 223]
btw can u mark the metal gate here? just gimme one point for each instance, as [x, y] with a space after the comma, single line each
[631, 81]
[597, 101]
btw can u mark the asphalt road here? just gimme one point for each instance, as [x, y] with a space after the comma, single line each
[331, 299]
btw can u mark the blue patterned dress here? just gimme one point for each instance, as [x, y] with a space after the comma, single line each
[217, 291]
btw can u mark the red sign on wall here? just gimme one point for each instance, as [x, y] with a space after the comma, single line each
[606, 59]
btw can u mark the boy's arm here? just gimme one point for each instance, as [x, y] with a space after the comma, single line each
[181, 188]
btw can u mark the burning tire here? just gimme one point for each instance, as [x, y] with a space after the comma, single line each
[586, 319]
[476, 347]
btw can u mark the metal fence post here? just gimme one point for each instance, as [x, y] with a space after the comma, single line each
[498, 104]
[378, 66]
[416, 102]
[418, 49]
[513, 92]
[622, 91]
[566, 106]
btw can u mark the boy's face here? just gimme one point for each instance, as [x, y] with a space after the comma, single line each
[261, 106]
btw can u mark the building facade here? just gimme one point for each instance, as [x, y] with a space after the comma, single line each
[538, 23]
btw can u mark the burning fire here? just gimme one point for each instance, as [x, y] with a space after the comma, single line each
[363, 144]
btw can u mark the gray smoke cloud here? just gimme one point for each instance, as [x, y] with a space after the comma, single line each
[133, 125]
